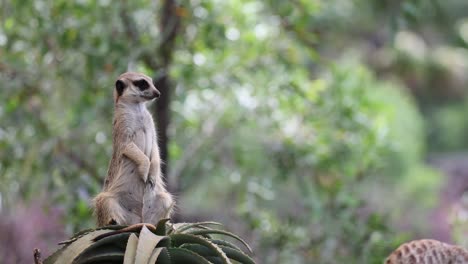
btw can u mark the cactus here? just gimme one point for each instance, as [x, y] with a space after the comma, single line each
[165, 243]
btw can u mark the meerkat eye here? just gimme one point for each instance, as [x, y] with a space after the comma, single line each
[141, 84]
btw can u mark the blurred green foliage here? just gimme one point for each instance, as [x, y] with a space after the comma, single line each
[291, 120]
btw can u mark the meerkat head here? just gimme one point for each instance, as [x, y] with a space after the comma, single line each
[133, 87]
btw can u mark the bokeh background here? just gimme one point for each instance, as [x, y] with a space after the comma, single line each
[320, 131]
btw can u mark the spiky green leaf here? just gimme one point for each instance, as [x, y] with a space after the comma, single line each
[130, 251]
[199, 249]
[86, 231]
[180, 239]
[146, 243]
[237, 255]
[113, 257]
[220, 232]
[214, 260]
[72, 250]
[203, 225]
[127, 229]
[181, 255]
[165, 242]
[155, 255]
[164, 257]
[109, 246]
[231, 253]
[161, 227]
[225, 243]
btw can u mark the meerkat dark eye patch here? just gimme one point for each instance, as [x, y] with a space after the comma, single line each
[141, 84]
[119, 86]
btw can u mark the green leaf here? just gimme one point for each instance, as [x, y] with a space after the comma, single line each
[187, 226]
[109, 246]
[86, 231]
[9, 23]
[72, 250]
[155, 255]
[146, 243]
[161, 227]
[12, 104]
[164, 257]
[130, 250]
[213, 259]
[102, 257]
[231, 253]
[165, 242]
[237, 255]
[180, 255]
[180, 239]
[127, 229]
[316, 87]
[221, 232]
[199, 249]
[224, 243]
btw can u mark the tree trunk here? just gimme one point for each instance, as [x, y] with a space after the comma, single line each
[169, 25]
[163, 119]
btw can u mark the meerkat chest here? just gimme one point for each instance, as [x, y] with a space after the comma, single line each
[142, 131]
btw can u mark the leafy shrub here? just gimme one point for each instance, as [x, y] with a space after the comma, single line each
[303, 183]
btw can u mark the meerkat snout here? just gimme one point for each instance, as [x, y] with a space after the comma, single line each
[154, 94]
[157, 94]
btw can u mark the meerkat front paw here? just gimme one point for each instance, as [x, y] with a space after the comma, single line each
[144, 168]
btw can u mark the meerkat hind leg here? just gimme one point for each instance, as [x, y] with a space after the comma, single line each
[110, 211]
[156, 205]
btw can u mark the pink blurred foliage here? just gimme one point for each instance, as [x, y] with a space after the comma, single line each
[27, 227]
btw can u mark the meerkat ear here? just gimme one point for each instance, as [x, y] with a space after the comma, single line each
[119, 86]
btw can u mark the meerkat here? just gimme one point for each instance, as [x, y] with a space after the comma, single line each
[133, 191]
[428, 251]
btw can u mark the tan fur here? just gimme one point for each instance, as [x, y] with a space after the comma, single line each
[134, 191]
[428, 251]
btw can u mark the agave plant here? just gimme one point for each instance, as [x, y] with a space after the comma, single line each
[164, 243]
